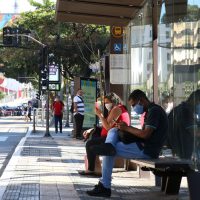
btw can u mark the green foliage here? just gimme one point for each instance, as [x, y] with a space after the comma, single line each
[74, 46]
[1, 95]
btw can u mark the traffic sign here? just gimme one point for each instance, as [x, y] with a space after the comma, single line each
[117, 31]
[117, 47]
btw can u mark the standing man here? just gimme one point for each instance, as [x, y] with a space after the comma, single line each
[148, 145]
[58, 108]
[78, 113]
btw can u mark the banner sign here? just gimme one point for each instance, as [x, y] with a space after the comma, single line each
[89, 87]
[54, 73]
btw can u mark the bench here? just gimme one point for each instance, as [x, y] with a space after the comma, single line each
[171, 170]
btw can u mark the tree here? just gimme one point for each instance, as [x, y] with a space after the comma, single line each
[73, 46]
[1, 95]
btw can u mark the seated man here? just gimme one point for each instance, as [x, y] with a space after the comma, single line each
[153, 135]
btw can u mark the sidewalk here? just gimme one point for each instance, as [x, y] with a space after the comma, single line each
[46, 169]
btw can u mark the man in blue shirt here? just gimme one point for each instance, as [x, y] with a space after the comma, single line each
[148, 144]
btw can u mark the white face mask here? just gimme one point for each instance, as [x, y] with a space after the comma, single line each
[108, 106]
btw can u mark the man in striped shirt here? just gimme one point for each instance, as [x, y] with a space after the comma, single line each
[78, 113]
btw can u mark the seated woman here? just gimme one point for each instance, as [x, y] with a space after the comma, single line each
[116, 113]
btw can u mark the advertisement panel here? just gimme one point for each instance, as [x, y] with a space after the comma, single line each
[89, 87]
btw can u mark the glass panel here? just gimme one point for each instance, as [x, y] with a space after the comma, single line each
[179, 74]
[141, 54]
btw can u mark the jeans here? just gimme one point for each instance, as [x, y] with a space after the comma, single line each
[58, 119]
[129, 151]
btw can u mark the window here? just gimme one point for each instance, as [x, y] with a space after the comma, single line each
[168, 56]
[167, 34]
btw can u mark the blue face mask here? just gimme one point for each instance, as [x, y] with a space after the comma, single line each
[138, 109]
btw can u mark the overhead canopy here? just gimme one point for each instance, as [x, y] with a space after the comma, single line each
[105, 12]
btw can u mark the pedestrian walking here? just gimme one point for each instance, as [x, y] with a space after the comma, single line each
[57, 109]
[25, 113]
[78, 112]
[29, 111]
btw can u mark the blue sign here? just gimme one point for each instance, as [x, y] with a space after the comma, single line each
[117, 47]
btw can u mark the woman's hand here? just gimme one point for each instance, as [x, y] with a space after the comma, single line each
[122, 126]
[98, 112]
[86, 133]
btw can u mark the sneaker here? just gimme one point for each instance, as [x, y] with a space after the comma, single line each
[105, 149]
[99, 191]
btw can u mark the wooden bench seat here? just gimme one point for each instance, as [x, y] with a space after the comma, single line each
[171, 170]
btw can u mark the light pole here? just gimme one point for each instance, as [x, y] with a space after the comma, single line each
[47, 133]
[67, 101]
[45, 55]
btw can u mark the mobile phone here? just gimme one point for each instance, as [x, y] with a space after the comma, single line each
[114, 120]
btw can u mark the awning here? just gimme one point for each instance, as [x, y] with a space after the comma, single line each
[105, 12]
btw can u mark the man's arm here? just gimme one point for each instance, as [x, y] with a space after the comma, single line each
[75, 107]
[144, 134]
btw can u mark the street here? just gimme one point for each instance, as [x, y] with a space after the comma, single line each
[12, 129]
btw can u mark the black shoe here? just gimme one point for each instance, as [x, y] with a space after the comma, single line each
[105, 149]
[86, 173]
[90, 173]
[99, 191]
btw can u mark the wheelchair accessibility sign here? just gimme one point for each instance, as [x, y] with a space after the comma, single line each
[117, 47]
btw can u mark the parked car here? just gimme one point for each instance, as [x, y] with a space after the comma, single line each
[8, 112]
[17, 111]
[1, 111]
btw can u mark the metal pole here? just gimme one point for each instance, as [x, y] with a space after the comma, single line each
[34, 112]
[67, 101]
[28, 36]
[47, 133]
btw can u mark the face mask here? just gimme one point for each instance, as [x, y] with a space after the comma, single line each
[138, 109]
[108, 106]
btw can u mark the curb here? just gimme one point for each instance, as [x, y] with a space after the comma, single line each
[9, 170]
